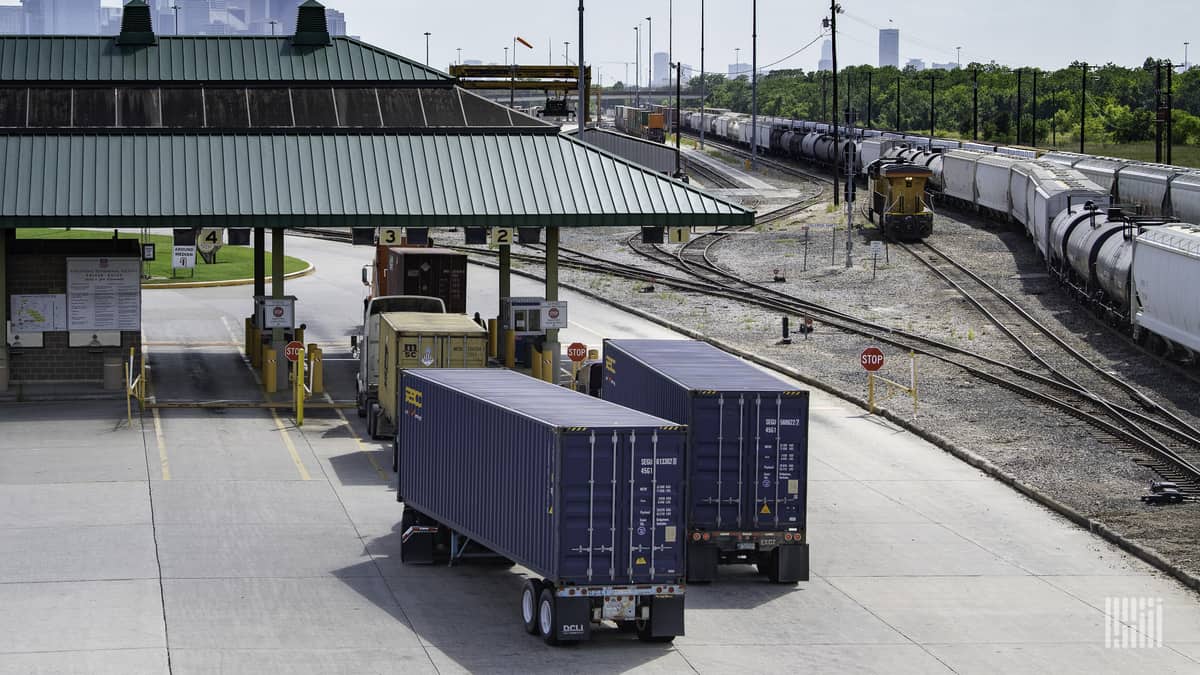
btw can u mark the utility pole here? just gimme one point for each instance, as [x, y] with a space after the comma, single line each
[831, 24]
[175, 8]
[1158, 112]
[566, 58]
[754, 85]
[1019, 107]
[649, 53]
[1035, 108]
[975, 103]
[932, 100]
[1170, 105]
[671, 49]
[581, 113]
[703, 85]
[848, 160]
[897, 102]
[1082, 107]
[824, 95]
[678, 77]
[459, 50]
[427, 34]
[867, 122]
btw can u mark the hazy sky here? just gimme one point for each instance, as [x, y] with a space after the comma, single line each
[1042, 33]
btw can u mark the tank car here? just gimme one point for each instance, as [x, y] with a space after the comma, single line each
[898, 202]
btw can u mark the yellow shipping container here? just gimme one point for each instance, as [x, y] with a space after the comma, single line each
[424, 340]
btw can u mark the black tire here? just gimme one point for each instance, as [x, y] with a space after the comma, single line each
[773, 567]
[531, 593]
[371, 422]
[627, 626]
[547, 617]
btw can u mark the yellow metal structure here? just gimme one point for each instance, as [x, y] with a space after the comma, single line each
[268, 369]
[316, 369]
[493, 335]
[893, 387]
[298, 387]
[535, 362]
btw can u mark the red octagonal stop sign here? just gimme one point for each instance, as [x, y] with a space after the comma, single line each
[577, 351]
[292, 350]
[871, 359]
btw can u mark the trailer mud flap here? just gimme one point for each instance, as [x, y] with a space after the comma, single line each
[666, 615]
[702, 561]
[573, 617]
[793, 562]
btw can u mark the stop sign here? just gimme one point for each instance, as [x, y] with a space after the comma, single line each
[293, 349]
[577, 351]
[871, 359]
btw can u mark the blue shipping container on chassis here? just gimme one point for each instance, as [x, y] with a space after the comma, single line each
[586, 494]
[747, 462]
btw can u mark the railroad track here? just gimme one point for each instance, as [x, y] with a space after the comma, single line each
[712, 177]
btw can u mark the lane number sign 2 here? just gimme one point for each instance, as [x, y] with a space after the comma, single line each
[502, 236]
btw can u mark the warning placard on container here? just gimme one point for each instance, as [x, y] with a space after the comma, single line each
[104, 294]
[39, 313]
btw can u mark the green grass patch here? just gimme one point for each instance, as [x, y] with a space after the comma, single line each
[233, 262]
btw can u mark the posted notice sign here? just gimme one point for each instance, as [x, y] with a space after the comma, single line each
[104, 294]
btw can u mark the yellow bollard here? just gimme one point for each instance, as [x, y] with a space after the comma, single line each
[593, 354]
[493, 335]
[535, 362]
[510, 349]
[547, 368]
[298, 384]
[871, 392]
[299, 335]
[268, 369]
[316, 365]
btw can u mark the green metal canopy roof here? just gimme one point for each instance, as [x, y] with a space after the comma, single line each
[203, 59]
[293, 180]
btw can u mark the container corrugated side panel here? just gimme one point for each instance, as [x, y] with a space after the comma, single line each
[740, 457]
[481, 470]
[528, 488]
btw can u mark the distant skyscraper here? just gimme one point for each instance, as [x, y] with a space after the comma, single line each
[12, 20]
[944, 66]
[915, 64]
[196, 17]
[662, 69]
[889, 47]
[826, 62]
[336, 21]
[737, 70]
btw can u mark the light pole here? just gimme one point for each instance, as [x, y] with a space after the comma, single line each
[506, 56]
[1185, 56]
[1082, 106]
[671, 49]
[566, 46]
[702, 85]
[737, 62]
[831, 24]
[959, 50]
[459, 50]
[754, 85]
[649, 53]
[637, 66]
[175, 8]
[581, 113]
[427, 34]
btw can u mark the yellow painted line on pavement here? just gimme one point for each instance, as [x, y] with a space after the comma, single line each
[358, 441]
[162, 446]
[291, 447]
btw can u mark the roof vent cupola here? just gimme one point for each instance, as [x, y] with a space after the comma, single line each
[136, 27]
[311, 27]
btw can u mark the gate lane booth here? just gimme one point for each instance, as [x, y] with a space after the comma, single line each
[274, 133]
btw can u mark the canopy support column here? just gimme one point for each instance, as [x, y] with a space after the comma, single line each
[260, 263]
[551, 347]
[505, 282]
[4, 237]
[278, 339]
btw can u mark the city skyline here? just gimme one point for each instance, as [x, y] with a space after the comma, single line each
[169, 17]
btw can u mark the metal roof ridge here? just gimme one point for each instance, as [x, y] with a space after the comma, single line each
[655, 174]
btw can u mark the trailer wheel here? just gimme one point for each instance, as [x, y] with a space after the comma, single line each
[627, 626]
[547, 617]
[371, 422]
[530, 596]
[396, 454]
[773, 563]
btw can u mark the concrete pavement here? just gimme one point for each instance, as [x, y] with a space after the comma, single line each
[229, 541]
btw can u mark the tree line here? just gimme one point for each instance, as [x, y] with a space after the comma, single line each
[1120, 101]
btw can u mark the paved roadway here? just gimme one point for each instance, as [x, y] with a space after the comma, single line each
[228, 541]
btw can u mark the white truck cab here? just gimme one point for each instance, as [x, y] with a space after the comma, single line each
[365, 343]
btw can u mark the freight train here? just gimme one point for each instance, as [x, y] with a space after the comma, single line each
[1121, 234]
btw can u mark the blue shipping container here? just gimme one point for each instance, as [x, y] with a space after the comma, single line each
[587, 494]
[747, 461]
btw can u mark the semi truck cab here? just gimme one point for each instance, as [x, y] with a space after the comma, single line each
[365, 343]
